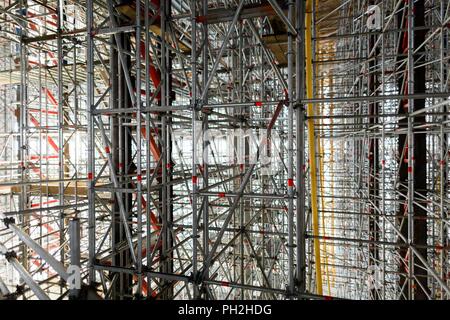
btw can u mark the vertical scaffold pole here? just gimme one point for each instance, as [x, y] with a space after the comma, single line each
[312, 144]
[90, 132]
[300, 136]
[194, 153]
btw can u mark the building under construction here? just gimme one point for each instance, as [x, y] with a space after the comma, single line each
[224, 149]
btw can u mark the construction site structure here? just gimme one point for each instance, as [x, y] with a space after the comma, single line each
[224, 149]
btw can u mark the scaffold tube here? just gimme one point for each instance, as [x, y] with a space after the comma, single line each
[25, 275]
[312, 144]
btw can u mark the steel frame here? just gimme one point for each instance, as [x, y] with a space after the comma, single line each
[117, 119]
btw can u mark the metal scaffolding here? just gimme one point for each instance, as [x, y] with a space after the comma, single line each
[226, 149]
